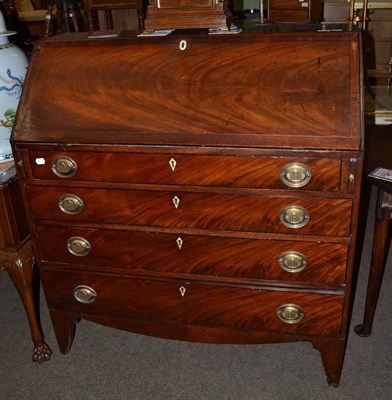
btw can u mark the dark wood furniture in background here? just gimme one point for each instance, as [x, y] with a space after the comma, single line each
[197, 189]
[16, 254]
[185, 14]
[380, 155]
[109, 5]
[295, 10]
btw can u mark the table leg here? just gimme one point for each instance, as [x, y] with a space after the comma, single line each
[19, 266]
[378, 260]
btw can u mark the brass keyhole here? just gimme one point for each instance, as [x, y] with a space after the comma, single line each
[176, 201]
[182, 291]
[172, 163]
[179, 242]
[182, 45]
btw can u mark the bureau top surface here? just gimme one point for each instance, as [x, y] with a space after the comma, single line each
[253, 89]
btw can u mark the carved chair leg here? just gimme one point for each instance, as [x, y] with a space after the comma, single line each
[19, 267]
[64, 328]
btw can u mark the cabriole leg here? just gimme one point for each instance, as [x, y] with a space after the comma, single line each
[19, 267]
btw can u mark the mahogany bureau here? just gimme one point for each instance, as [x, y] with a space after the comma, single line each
[196, 187]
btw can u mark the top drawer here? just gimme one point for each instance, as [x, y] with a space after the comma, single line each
[187, 169]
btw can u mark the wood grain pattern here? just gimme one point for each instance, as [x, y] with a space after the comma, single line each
[196, 210]
[259, 96]
[185, 14]
[287, 4]
[232, 171]
[295, 11]
[198, 255]
[206, 305]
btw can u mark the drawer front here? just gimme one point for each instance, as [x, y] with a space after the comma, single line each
[307, 216]
[116, 4]
[197, 255]
[287, 4]
[192, 304]
[289, 15]
[182, 169]
[176, 5]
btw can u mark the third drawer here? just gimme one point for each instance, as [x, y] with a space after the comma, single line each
[231, 257]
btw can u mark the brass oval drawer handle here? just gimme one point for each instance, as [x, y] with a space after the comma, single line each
[294, 216]
[70, 204]
[292, 261]
[295, 175]
[84, 294]
[78, 246]
[64, 167]
[290, 313]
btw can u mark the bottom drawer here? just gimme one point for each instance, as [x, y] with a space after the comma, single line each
[195, 303]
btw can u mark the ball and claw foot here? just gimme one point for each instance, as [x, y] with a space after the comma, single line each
[42, 353]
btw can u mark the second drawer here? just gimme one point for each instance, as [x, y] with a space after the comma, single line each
[236, 212]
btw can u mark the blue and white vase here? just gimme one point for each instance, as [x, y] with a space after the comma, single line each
[13, 68]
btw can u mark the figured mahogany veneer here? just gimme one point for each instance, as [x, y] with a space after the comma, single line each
[204, 192]
[243, 98]
[295, 10]
[213, 256]
[205, 210]
[246, 171]
[202, 305]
